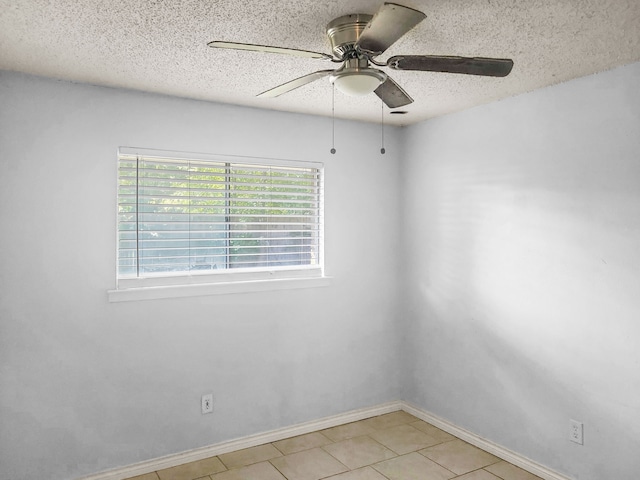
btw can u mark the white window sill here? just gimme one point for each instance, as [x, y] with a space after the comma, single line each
[220, 288]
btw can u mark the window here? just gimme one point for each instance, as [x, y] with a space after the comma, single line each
[193, 219]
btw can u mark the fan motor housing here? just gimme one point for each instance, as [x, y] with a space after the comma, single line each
[343, 32]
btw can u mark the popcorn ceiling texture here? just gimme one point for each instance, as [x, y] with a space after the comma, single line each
[161, 46]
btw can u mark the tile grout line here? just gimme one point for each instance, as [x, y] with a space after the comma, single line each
[418, 415]
[396, 454]
[370, 465]
[201, 453]
[348, 469]
[475, 470]
[277, 469]
[368, 435]
[482, 443]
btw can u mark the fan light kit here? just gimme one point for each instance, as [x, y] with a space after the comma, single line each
[355, 42]
[358, 81]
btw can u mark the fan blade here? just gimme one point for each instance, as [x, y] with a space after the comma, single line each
[390, 23]
[392, 94]
[293, 84]
[490, 67]
[268, 49]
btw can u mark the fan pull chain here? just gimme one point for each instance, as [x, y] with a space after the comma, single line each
[382, 150]
[333, 118]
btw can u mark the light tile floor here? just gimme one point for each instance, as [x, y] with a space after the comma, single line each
[395, 446]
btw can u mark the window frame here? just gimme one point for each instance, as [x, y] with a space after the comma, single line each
[186, 284]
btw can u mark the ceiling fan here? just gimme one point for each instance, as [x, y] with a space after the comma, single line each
[355, 42]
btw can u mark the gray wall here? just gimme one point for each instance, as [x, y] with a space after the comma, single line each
[517, 307]
[522, 261]
[87, 385]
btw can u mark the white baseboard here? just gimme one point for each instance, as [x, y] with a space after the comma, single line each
[486, 445]
[244, 442]
[328, 422]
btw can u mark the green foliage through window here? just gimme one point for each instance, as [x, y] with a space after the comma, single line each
[178, 216]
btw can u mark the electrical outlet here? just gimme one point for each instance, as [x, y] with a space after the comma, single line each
[207, 403]
[576, 432]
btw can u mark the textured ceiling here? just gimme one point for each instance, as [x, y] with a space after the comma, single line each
[161, 46]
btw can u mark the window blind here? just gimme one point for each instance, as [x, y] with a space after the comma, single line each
[188, 216]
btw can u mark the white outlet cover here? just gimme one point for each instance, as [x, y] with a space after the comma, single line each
[576, 432]
[207, 403]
